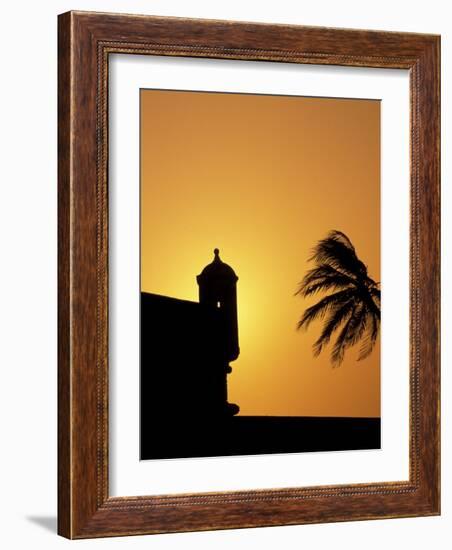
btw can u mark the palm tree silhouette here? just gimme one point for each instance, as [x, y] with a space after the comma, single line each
[354, 306]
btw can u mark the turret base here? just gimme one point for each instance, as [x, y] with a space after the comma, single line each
[232, 409]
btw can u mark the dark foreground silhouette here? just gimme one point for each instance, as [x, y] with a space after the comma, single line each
[252, 435]
[185, 354]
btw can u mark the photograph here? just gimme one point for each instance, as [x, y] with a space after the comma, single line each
[260, 222]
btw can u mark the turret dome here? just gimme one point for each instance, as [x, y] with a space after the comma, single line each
[217, 270]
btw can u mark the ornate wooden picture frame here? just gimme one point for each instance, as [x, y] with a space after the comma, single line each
[86, 41]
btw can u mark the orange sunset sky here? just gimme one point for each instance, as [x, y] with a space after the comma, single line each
[263, 178]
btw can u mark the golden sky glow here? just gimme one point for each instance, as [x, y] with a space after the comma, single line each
[263, 178]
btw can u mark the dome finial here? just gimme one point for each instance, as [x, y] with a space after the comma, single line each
[217, 270]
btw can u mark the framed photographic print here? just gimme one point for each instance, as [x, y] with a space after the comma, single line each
[248, 275]
[253, 176]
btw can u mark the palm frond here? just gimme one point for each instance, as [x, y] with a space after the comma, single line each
[336, 318]
[336, 250]
[370, 337]
[342, 237]
[350, 334]
[376, 294]
[322, 278]
[373, 303]
[318, 310]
